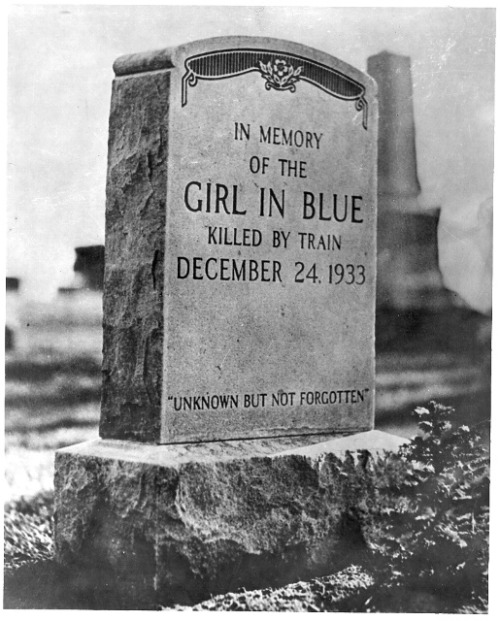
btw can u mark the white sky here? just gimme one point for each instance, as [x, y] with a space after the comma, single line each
[59, 87]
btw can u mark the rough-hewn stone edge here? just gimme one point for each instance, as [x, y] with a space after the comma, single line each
[142, 62]
[179, 523]
[135, 247]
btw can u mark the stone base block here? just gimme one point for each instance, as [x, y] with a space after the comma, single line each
[179, 523]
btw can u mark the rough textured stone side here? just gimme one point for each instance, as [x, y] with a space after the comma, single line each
[135, 245]
[180, 533]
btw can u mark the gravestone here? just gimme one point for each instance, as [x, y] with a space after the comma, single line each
[239, 298]
[89, 265]
[240, 245]
[11, 311]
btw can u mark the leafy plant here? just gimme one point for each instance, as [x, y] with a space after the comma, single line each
[434, 537]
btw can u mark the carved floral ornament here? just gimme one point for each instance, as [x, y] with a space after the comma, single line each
[280, 75]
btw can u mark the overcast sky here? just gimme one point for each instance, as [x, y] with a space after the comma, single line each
[60, 73]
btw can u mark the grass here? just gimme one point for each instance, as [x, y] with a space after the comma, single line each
[53, 400]
[28, 530]
[48, 405]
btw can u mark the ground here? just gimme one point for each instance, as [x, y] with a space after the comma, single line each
[53, 400]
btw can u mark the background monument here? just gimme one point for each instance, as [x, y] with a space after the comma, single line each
[407, 249]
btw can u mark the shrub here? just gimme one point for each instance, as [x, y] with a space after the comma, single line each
[434, 537]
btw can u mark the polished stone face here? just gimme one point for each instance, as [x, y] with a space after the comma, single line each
[269, 264]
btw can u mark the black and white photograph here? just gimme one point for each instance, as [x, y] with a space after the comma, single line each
[248, 308]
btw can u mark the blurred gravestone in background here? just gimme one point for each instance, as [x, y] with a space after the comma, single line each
[88, 268]
[408, 272]
[90, 264]
[430, 341]
[11, 311]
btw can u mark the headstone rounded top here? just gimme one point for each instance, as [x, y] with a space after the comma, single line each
[168, 58]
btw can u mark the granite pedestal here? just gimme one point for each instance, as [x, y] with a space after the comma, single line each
[178, 523]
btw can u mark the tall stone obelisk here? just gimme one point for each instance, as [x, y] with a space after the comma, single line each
[397, 158]
[407, 269]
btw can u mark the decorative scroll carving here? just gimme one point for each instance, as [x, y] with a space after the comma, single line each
[280, 70]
